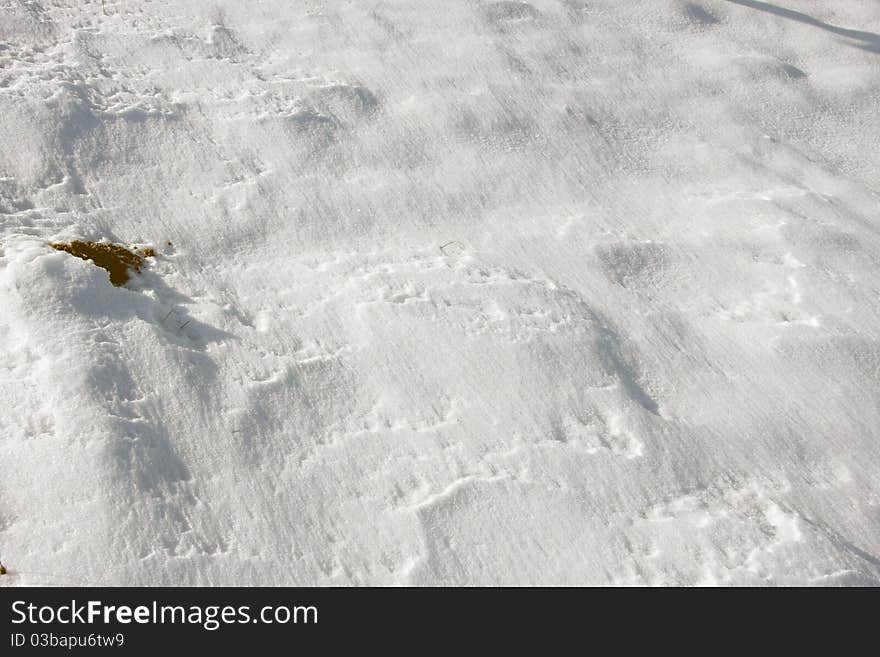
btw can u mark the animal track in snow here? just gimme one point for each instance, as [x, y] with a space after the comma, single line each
[600, 432]
[510, 11]
[737, 533]
[637, 265]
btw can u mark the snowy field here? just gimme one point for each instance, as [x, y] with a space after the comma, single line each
[459, 292]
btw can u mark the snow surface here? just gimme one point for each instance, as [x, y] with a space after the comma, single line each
[460, 292]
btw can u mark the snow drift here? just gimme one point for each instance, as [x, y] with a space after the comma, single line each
[580, 292]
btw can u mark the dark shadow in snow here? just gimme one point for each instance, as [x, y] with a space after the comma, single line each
[613, 358]
[77, 120]
[141, 449]
[170, 314]
[840, 541]
[616, 354]
[699, 15]
[868, 40]
[167, 311]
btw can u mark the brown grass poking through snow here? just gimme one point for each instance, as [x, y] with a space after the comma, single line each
[114, 258]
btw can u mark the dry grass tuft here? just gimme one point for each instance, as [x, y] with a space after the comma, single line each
[116, 259]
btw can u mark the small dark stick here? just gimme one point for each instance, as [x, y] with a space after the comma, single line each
[2, 569]
[443, 248]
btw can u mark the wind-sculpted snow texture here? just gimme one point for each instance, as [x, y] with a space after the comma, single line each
[461, 292]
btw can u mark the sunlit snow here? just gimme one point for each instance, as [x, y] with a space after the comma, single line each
[459, 292]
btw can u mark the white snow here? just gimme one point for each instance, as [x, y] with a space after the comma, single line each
[461, 292]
